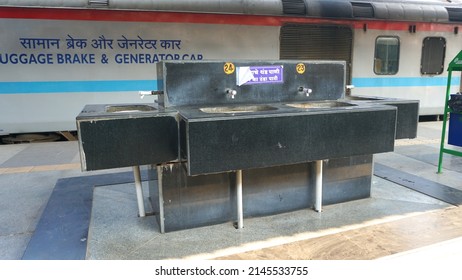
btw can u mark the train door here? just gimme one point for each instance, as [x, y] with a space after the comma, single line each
[327, 42]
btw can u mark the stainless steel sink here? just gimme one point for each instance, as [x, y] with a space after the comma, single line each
[359, 98]
[237, 109]
[320, 104]
[131, 108]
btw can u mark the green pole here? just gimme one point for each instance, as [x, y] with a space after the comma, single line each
[445, 118]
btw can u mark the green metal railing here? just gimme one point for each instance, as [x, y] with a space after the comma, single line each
[455, 65]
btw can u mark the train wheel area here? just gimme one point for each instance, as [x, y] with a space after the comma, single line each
[38, 137]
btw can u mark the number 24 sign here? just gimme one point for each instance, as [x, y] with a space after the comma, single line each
[229, 68]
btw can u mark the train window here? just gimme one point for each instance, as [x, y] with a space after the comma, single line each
[433, 52]
[386, 59]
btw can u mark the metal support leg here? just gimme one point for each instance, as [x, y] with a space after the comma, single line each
[240, 211]
[161, 199]
[318, 191]
[139, 191]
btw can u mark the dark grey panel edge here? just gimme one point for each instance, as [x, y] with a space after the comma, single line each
[62, 231]
[419, 184]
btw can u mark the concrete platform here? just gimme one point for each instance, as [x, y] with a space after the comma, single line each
[396, 222]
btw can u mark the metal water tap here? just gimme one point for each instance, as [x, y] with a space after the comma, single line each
[231, 93]
[305, 91]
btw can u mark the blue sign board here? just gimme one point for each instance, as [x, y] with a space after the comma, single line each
[260, 75]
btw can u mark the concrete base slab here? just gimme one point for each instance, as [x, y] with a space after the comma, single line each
[113, 221]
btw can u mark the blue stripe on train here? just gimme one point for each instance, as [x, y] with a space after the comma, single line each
[77, 86]
[404, 81]
[147, 85]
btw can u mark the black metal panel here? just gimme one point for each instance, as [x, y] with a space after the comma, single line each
[281, 189]
[293, 7]
[112, 143]
[219, 145]
[433, 54]
[362, 10]
[268, 191]
[455, 14]
[205, 83]
[407, 117]
[325, 42]
[194, 201]
[329, 8]
[347, 179]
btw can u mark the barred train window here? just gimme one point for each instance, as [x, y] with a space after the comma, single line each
[433, 52]
[386, 59]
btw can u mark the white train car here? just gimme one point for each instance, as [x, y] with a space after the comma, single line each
[57, 56]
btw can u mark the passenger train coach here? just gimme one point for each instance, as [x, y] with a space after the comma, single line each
[57, 56]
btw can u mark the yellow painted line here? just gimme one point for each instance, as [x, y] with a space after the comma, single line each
[24, 169]
[39, 168]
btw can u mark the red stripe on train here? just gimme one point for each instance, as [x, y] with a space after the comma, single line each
[206, 18]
